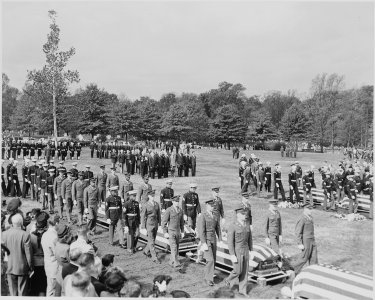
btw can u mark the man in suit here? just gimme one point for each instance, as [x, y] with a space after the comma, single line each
[20, 264]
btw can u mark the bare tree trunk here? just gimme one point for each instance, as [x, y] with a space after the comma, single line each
[54, 113]
[332, 138]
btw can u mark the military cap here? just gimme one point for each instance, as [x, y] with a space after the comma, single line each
[51, 170]
[305, 205]
[62, 230]
[277, 164]
[245, 195]
[14, 204]
[176, 198]
[152, 192]
[209, 201]
[193, 185]
[239, 207]
[102, 166]
[273, 201]
[69, 172]
[87, 166]
[45, 165]
[216, 189]
[132, 192]
[113, 188]
[145, 177]
[92, 179]
[126, 174]
[61, 162]
[169, 180]
[81, 173]
[40, 163]
[41, 219]
[74, 163]
[34, 159]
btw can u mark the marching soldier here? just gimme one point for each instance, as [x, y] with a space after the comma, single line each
[113, 158]
[101, 179]
[91, 203]
[329, 188]
[66, 193]
[57, 185]
[150, 221]
[37, 181]
[52, 166]
[173, 228]
[260, 175]
[278, 184]
[32, 149]
[240, 243]
[61, 167]
[121, 160]
[39, 147]
[306, 240]
[24, 149]
[311, 177]
[71, 149]
[74, 170]
[306, 184]
[113, 179]
[151, 162]
[25, 180]
[161, 162]
[186, 162]
[132, 220]
[209, 228]
[53, 150]
[191, 206]
[218, 205]
[273, 228]
[125, 188]
[268, 175]
[143, 190]
[293, 184]
[166, 196]
[78, 187]
[113, 212]
[179, 163]
[9, 175]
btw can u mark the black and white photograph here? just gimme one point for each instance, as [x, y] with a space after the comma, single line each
[187, 149]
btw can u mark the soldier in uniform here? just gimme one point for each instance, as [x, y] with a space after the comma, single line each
[24, 149]
[66, 193]
[371, 191]
[144, 188]
[293, 184]
[37, 180]
[49, 191]
[101, 179]
[91, 203]
[99, 150]
[193, 163]
[78, 149]
[87, 175]
[208, 228]
[306, 184]
[43, 185]
[186, 161]
[113, 179]
[151, 162]
[299, 173]
[273, 228]
[268, 176]
[260, 177]
[121, 160]
[32, 178]
[25, 180]
[32, 149]
[278, 184]
[92, 148]
[311, 176]
[191, 206]
[78, 187]
[167, 164]
[126, 187]
[15, 184]
[3, 185]
[150, 221]
[132, 220]
[57, 184]
[306, 240]
[166, 196]
[128, 162]
[173, 228]
[352, 195]
[74, 170]
[328, 187]
[179, 163]
[113, 212]
[113, 158]
[52, 166]
[240, 242]
[218, 205]
[245, 200]
[61, 167]
[339, 184]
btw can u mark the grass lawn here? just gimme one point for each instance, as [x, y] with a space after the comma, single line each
[341, 243]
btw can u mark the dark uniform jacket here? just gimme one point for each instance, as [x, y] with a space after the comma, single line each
[277, 177]
[304, 229]
[174, 219]
[57, 184]
[142, 194]
[32, 173]
[101, 179]
[191, 206]
[218, 207]
[166, 196]
[132, 214]
[43, 179]
[240, 240]
[87, 176]
[78, 187]
[150, 215]
[293, 178]
[66, 188]
[125, 188]
[113, 208]
[50, 180]
[90, 196]
[273, 223]
[208, 228]
[306, 183]
[247, 207]
[113, 180]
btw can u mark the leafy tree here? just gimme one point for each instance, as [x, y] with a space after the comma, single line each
[9, 101]
[122, 119]
[174, 123]
[53, 79]
[167, 101]
[294, 124]
[261, 128]
[148, 119]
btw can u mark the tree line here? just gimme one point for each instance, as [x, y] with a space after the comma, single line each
[330, 114]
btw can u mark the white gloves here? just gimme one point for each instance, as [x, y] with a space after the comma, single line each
[290, 187]
[220, 244]
[126, 229]
[301, 247]
[185, 217]
[86, 211]
[75, 203]
[280, 239]
[64, 201]
[182, 234]
[45, 194]
[143, 231]
[251, 227]
[268, 241]
[277, 185]
[166, 235]
[109, 221]
[233, 259]
[163, 210]
[204, 247]
[14, 181]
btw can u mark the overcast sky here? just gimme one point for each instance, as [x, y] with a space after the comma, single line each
[151, 48]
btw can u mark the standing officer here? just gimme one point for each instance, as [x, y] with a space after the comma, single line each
[101, 179]
[3, 185]
[193, 163]
[311, 176]
[87, 175]
[91, 203]
[208, 228]
[179, 163]
[92, 148]
[74, 170]
[43, 185]
[306, 240]
[306, 184]
[352, 195]
[121, 160]
[132, 220]
[166, 196]
[113, 212]
[173, 216]
[167, 164]
[25, 180]
[328, 187]
[293, 185]
[37, 179]
[186, 162]
[78, 187]
[143, 190]
[240, 243]
[79, 149]
[15, 184]
[191, 206]
[66, 193]
[50, 194]
[278, 184]
[268, 175]
[218, 205]
[339, 183]
[273, 228]
[57, 185]
[150, 221]
[260, 177]
[126, 187]
[299, 173]
[61, 167]
[113, 179]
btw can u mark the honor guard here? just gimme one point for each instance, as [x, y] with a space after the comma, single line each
[278, 184]
[113, 212]
[132, 220]
[66, 193]
[57, 185]
[25, 180]
[273, 228]
[268, 176]
[166, 196]
[32, 179]
[91, 203]
[218, 205]
[88, 174]
[126, 187]
[191, 206]
[293, 183]
[329, 191]
[306, 185]
[78, 188]
[50, 194]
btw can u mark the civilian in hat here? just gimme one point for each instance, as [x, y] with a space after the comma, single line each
[91, 204]
[306, 240]
[144, 188]
[132, 218]
[166, 196]
[78, 188]
[191, 206]
[49, 191]
[173, 227]
[278, 184]
[218, 205]
[126, 187]
[240, 242]
[38, 281]
[150, 221]
[87, 175]
[20, 263]
[48, 241]
[57, 185]
[208, 229]
[113, 179]
[101, 179]
[273, 228]
[113, 212]
[66, 194]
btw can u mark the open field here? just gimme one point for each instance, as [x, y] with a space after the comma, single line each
[348, 245]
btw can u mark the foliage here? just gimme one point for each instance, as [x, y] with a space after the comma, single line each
[8, 101]
[295, 124]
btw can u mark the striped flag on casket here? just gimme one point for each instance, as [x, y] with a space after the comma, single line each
[329, 282]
